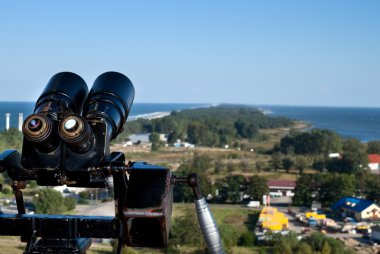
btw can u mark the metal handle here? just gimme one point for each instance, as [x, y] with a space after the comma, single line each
[208, 227]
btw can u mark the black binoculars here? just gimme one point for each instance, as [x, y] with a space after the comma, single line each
[67, 142]
[69, 134]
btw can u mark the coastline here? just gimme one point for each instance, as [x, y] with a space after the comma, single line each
[149, 116]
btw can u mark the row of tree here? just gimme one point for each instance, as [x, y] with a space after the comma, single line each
[214, 126]
[232, 189]
[328, 188]
[314, 148]
[314, 243]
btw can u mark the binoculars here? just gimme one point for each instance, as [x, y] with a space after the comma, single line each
[67, 139]
[67, 142]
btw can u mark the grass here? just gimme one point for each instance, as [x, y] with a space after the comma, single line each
[11, 245]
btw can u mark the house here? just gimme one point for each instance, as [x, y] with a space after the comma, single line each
[281, 188]
[373, 161]
[357, 208]
[139, 138]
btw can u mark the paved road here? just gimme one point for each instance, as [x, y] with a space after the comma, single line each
[102, 209]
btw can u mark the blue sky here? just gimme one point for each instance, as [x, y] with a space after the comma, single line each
[214, 51]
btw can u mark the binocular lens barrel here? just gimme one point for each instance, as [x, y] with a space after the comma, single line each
[76, 133]
[111, 99]
[64, 92]
[38, 128]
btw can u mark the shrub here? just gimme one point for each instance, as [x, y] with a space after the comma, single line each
[49, 201]
[69, 203]
[246, 239]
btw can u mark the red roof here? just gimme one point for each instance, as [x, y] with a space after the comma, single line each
[374, 158]
[281, 183]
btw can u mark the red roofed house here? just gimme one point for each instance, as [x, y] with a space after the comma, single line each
[373, 161]
[281, 188]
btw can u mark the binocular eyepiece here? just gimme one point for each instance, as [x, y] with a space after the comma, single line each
[71, 123]
[63, 93]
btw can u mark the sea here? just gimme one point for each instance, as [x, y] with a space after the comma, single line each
[357, 122]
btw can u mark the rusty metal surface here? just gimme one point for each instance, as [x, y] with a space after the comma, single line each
[148, 206]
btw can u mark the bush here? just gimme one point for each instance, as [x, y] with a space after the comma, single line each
[84, 194]
[69, 203]
[6, 190]
[33, 184]
[49, 201]
[246, 239]
[229, 236]
[83, 201]
[185, 230]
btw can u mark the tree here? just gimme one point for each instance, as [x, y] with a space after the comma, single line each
[371, 188]
[259, 165]
[301, 163]
[315, 142]
[257, 186]
[318, 242]
[329, 193]
[49, 201]
[173, 137]
[287, 164]
[373, 147]
[303, 248]
[354, 157]
[11, 139]
[199, 165]
[276, 160]
[154, 138]
[233, 188]
[307, 189]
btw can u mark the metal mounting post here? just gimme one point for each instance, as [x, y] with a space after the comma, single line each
[206, 220]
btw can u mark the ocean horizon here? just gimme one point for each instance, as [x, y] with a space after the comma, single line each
[362, 123]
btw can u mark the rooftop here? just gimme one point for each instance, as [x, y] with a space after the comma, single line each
[353, 204]
[374, 158]
[281, 183]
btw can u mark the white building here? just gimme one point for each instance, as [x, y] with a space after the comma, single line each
[281, 188]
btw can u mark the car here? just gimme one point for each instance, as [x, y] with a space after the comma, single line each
[253, 204]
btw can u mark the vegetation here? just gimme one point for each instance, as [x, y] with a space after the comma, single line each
[235, 187]
[235, 224]
[315, 243]
[11, 139]
[50, 201]
[215, 126]
[373, 147]
[235, 175]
